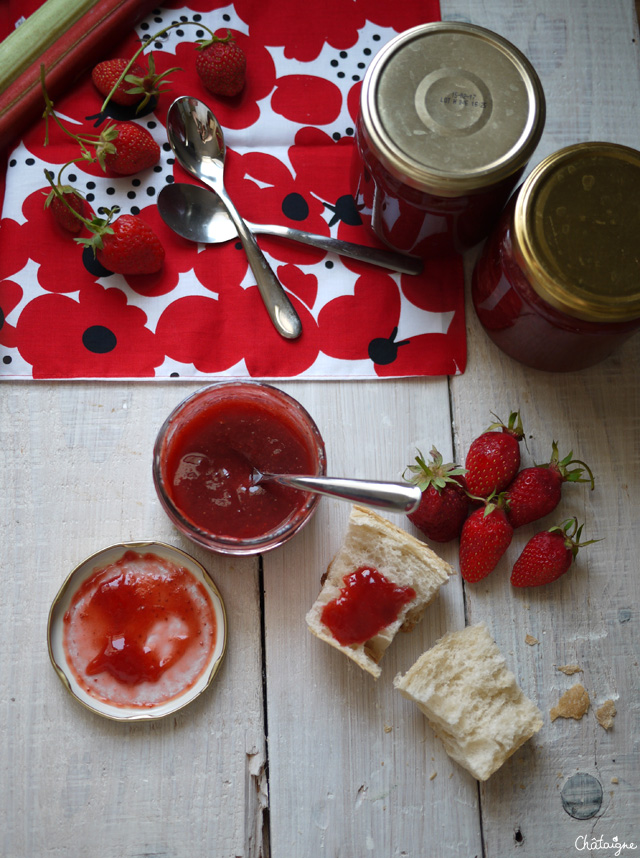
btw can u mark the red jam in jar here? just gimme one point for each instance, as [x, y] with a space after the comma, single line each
[139, 631]
[367, 604]
[208, 455]
[450, 114]
[557, 286]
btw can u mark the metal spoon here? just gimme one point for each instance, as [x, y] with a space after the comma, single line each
[198, 215]
[198, 142]
[395, 497]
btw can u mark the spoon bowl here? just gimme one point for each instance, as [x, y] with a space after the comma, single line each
[198, 215]
[197, 140]
[390, 496]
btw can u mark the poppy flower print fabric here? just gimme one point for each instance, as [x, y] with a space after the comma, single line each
[290, 153]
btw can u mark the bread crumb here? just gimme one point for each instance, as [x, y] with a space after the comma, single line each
[570, 669]
[531, 641]
[387, 728]
[574, 703]
[606, 713]
[433, 775]
[615, 781]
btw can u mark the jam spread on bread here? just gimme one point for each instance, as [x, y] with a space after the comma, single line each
[367, 603]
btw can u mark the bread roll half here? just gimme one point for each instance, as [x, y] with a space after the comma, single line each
[471, 700]
[372, 541]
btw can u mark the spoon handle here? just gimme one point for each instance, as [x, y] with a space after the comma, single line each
[394, 497]
[280, 309]
[384, 258]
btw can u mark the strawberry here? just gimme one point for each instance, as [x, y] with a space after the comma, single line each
[127, 83]
[131, 247]
[548, 555]
[536, 491]
[221, 64]
[485, 537]
[493, 458]
[444, 504]
[126, 245]
[62, 213]
[126, 148]
[107, 74]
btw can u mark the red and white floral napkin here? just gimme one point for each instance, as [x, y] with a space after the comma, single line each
[290, 147]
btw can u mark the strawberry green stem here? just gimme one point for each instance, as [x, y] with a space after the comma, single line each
[68, 164]
[562, 466]
[572, 532]
[50, 111]
[157, 35]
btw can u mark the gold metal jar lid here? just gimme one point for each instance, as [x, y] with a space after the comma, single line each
[577, 231]
[451, 108]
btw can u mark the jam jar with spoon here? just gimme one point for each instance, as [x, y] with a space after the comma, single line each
[557, 286]
[450, 114]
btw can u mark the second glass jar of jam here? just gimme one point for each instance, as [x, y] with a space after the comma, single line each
[557, 286]
[450, 114]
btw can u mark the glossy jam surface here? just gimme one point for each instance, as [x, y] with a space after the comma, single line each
[420, 223]
[211, 459]
[524, 325]
[139, 631]
[367, 603]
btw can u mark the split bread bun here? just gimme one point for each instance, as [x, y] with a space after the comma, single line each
[373, 542]
[471, 700]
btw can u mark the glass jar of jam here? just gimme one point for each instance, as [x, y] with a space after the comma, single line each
[208, 458]
[450, 114]
[557, 286]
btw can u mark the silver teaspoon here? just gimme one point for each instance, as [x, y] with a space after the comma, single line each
[198, 215]
[394, 497]
[198, 143]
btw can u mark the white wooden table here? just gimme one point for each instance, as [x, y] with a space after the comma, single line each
[294, 751]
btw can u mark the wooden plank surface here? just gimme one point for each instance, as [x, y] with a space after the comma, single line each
[77, 477]
[350, 768]
[590, 618]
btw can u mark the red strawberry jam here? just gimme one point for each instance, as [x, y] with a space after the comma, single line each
[139, 631]
[367, 604]
[207, 460]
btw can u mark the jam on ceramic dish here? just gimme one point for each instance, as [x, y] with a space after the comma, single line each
[207, 459]
[557, 286]
[450, 114]
[367, 604]
[139, 631]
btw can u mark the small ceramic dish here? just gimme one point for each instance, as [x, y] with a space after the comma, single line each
[72, 589]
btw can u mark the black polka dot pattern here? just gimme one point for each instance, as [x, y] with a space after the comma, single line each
[349, 68]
